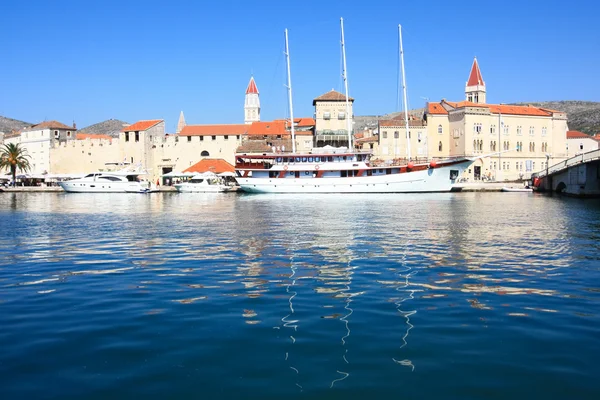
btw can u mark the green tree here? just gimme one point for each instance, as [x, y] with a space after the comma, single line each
[13, 157]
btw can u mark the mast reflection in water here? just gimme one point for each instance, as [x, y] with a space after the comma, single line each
[357, 296]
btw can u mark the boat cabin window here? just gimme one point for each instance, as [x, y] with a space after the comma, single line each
[197, 180]
[453, 174]
[90, 175]
[109, 178]
[317, 159]
[131, 178]
[330, 158]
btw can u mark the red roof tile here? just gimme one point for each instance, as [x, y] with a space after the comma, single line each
[518, 110]
[49, 125]
[214, 130]
[142, 125]
[268, 128]
[252, 86]
[436, 108]
[578, 135]
[83, 136]
[475, 75]
[332, 95]
[299, 122]
[216, 165]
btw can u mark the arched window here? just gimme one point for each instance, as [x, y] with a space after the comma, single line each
[204, 154]
[440, 130]
[440, 146]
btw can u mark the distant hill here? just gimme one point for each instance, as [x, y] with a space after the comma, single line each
[110, 127]
[8, 125]
[584, 116]
[370, 121]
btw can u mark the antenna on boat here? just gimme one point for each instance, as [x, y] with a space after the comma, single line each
[289, 87]
[404, 93]
[345, 76]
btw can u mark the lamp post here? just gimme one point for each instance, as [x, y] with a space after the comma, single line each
[547, 168]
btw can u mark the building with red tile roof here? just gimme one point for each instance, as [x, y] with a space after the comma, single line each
[579, 142]
[49, 125]
[333, 119]
[215, 165]
[143, 125]
[506, 141]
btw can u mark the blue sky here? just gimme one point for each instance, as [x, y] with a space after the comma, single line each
[89, 61]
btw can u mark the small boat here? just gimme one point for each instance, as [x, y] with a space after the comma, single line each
[519, 189]
[206, 182]
[108, 182]
[141, 190]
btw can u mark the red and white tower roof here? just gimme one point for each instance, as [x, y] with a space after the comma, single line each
[252, 87]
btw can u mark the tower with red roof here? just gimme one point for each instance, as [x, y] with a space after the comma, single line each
[252, 103]
[475, 87]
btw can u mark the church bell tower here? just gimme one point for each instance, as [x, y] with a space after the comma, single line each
[475, 87]
[252, 103]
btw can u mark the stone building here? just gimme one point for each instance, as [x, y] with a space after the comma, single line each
[333, 119]
[579, 142]
[39, 141]
[510, 142]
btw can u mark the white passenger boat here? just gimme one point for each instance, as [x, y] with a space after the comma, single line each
[203, 183]
[342, 170]
[108, 182]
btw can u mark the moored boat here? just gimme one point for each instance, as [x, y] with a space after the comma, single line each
[108, 182]
[343, 170]
[203, 183]
[519, 189]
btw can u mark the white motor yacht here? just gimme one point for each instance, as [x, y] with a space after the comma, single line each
[206, 182]
[108, 182]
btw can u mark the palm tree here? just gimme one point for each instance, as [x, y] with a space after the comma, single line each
[13, 156]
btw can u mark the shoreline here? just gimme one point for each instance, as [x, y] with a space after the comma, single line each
[464, 187]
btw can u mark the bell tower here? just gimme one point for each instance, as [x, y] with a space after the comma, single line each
[475, 87]
[252, 103]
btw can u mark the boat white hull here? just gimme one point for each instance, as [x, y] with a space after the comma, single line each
[423, 181]
[192, 188]
[103, 187]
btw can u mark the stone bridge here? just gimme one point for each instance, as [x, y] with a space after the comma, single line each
[577, 176]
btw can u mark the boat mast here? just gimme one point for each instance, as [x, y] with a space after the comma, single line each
[404, 93]
[345, 76]
[289, 87]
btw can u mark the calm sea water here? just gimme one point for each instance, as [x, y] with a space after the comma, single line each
[466, 295]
